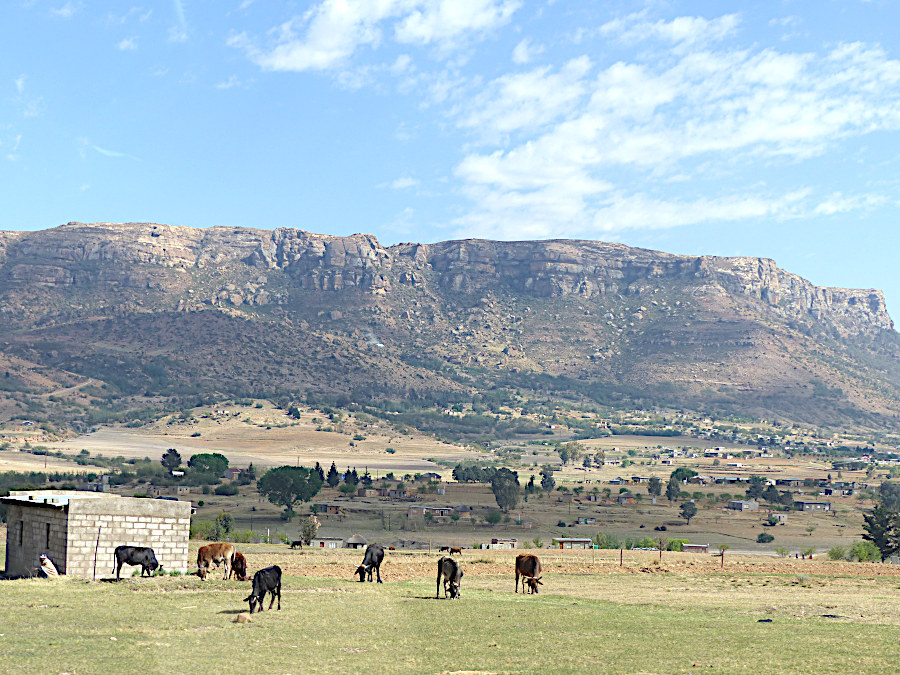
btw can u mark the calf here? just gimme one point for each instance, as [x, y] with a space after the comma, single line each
[265, 581]
[372, 560]
[135, 555]
[217, 553]
[451, 571]
[529, 568]
[239, 567]
[455, 549]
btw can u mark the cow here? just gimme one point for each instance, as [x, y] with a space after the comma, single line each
[455, 549]
[218, 553]
[372, 560]
[443, 548]
[451, 571]
[529, 568]
[297, 544]
[239, 568]
[265, 581]
[135, 555]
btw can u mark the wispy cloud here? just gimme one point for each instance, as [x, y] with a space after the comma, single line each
[179, 32]
[403, 183]
[327, 35]
[67, 11]
[232, 81]
[13, 153]
[30, 106]
[700, 111]
[85, 145]
[525, 52]
[127, 44]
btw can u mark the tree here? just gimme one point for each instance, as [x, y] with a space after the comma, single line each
[673, 489]
[547, 481]
[654, 487]
[308, 528]
[209, 462]
[682, 473]
[493, 517]
[320, 471]
[505, 486]
[351, 477]
[588, 462]
[171, 459]
[882, 528]
[756, 487]
[564, 453]
[333, 477]
[688, 511]
[224, 525]
[348, 489]
[889, 493]
[287, 485]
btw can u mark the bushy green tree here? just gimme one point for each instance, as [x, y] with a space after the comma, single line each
[171, 459]
[673, 490]
[493, 517]
[756, 487]
[505, 486]
[682, 473]
[688, 511]
[209, 462]
[882, 528]
[333, 476]
[654, 487]
[286, 485]
[547, 480]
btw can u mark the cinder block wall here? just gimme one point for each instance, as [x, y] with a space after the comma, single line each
[97, 526]
[40, 530]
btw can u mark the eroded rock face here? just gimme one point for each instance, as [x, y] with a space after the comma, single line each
[79, 254]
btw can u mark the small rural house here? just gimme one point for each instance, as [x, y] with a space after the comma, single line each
[695, 548]
[572, 542]
[743, 505]
[812, 506]
[504, 544]
[327, 542]
[625, 498]
[79, 531]
[356, 541]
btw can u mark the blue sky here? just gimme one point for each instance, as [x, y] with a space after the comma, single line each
[729, 128]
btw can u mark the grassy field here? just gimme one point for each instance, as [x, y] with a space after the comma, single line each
[682, 615]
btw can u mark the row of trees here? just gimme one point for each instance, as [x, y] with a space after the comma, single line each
[882, 526]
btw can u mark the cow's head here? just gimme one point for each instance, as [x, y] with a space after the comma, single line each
[253, 599]
[534, 583]
[361, 571]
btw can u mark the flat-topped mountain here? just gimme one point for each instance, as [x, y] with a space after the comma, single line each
[155, 311]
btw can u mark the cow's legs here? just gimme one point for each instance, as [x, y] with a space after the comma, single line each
[378, 573]
[277, 589]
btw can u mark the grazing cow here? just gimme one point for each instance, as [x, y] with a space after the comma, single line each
[297, 544]
[455, 549]
[218, 553]
[451, 571]
[135, 555]
[239, 567]
[529, 568]
[265, 581]
[372, 560]
[443, 548]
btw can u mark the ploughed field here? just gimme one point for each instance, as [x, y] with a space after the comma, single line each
[683, 614]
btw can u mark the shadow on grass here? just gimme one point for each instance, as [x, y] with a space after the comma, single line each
[234, 611]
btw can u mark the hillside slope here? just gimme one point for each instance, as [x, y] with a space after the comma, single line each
[136, 314]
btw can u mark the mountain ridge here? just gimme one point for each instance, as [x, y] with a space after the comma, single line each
[449, 316]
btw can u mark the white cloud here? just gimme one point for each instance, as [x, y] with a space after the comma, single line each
[527, 100]
[20, 83]
[67, 11]
[232, 81]
[683, 31]
[596, 149]
[329, 33]
[403, 183]
[445, 20]
[127, 44]
[525, 52]
[179, 32]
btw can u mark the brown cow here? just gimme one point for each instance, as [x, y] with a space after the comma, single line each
[218, 553]
[529, 568]
[455, 549]
[239, 567]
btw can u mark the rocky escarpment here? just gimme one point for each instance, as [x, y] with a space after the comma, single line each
[107, 253]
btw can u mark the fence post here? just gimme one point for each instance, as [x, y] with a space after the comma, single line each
[621, 557]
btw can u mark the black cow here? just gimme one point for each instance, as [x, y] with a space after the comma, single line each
[372, 560]
[265, 581]
[451, 571]
[135, 555]
[297, 544]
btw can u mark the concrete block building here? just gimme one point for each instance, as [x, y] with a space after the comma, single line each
[79, 531]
